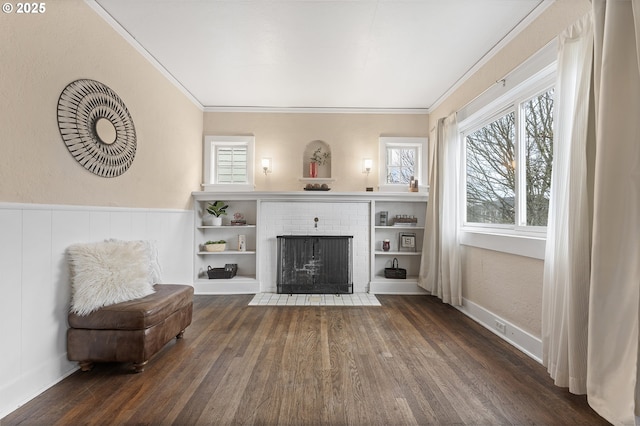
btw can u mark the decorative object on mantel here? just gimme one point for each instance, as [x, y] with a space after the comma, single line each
[395, 271]
[317, 187]
[96, 127]
[215, 210]
[413, 185]
[318, 158]
[215, 246]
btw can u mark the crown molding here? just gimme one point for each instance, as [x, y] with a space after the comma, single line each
[317, 110]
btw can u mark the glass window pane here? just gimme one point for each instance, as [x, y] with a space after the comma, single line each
[491, 172]
[538, 113]
[401, 164]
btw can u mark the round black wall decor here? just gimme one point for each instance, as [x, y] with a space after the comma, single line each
[97, 128]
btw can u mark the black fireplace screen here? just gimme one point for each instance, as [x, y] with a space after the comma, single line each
[315, 264]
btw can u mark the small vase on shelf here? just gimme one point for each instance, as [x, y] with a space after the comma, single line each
[313, 169]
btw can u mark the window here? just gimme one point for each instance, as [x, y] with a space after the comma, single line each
[508, 165]
[490, 155]
[507, 142]
[402, 158]
[401, 163]
[228, 163]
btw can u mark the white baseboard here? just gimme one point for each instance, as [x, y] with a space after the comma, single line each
[524, 341]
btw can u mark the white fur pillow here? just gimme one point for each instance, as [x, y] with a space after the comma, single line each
[155, 270]
[108, 272]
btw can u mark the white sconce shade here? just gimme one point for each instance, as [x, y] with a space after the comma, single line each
[367, 164]
[266, 165]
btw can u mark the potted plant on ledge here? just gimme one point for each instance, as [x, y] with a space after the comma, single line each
[216, 209]
[318, 158]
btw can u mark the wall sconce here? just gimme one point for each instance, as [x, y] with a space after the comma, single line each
[266, 165]
[367, 164]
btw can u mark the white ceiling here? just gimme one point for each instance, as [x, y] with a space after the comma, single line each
[357, 54]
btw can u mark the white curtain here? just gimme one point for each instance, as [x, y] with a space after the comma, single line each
[565, 292]
[440, 270]
[612, 368]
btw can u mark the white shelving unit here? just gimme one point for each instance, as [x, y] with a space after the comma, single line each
[408, 258]
[250, 204]
[246, 279]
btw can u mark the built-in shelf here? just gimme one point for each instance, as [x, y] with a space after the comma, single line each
[231, 252]
[253, 269]
[397, 253]
[246, 280]
[399, 227]
[225, 226]
[407, 259]
[317, 180]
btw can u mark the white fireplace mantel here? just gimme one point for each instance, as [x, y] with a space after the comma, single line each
[328, 196]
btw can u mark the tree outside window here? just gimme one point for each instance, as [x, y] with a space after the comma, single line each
[401, 164]
[497, 192]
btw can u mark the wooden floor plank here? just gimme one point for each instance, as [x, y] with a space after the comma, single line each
[412, 361]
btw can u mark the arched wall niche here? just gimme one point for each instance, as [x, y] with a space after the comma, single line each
[322, 151]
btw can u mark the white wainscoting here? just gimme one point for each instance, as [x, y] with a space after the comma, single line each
[35, 281]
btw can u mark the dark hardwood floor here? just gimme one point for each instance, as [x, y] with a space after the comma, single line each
[412, 361]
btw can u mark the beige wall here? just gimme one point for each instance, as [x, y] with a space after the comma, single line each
[507, 285]
[283, 137]
[41, 54]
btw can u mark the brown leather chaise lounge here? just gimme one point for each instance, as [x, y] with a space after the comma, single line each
[130, 331]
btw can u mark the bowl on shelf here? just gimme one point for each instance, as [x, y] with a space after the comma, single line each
[215, 247]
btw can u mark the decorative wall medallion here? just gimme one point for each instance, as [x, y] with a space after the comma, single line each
[97, 128]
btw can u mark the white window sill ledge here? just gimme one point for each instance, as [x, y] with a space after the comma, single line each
[521, 245]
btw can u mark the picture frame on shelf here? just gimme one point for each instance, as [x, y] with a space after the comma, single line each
[407, 241]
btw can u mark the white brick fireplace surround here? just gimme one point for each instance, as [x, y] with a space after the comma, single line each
[298, 218]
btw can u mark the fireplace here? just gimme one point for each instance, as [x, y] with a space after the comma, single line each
[315, 264]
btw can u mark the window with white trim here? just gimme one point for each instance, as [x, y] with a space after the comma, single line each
[514, 119]
[228, 163]
[401, 159]
[508, 160]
